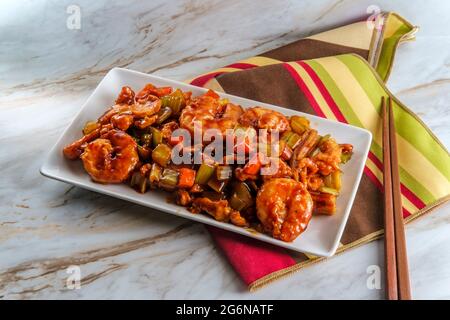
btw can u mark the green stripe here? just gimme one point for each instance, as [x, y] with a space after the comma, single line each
[407, 126]
[366, 80]
[419, 190]
[409, 181]
[336, 94]
[413, 131]
[388, 50]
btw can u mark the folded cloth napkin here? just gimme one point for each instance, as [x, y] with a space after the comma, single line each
[338, 75]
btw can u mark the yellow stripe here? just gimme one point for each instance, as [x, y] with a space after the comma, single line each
[408, 205]
[225, 70]
[260, 61]
[356, 35]
[314, 90]
[359, 101]
[379, 175]
[411, 160]
[377, 172]
[310, 256]
[392, 25]
[424, 171]
[213, 84]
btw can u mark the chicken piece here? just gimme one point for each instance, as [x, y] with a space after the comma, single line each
[277, 168]
[237, 219]
[183, 198]
[218, 209]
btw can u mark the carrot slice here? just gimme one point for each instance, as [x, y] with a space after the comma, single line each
[186, 178]
[254, 164]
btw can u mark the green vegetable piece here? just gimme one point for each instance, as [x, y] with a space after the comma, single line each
[156, 136]
[155, 174]
[241, 197]
[345, 157]
[217, 185]
[161, 154]
[169, 179]
[204, 173]
[329, 190]
[175, 101]
[299, 124]
[164, 114]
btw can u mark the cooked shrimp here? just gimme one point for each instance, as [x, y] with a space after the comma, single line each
[76, 148]
[136, 106]
[151, 93]
[146, 121]
[145, 109]
[222, 121]
[130, 112]
[115, 109]
[227, 120]
[207, 112]
[261, 118]
[110, 158]
[284, 207]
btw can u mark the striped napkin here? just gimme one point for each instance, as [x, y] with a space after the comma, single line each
[339, 75]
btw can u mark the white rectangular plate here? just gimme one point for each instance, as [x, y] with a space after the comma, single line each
[323, 233]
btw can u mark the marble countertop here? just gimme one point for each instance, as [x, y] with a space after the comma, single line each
[48, 67]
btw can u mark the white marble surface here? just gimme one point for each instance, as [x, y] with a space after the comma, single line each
[126, 251]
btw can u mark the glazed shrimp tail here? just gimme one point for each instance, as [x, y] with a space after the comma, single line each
[208, 111]
[111, 158]
[261, 118]
[284, 207]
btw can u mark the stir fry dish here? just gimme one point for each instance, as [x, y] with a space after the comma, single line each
[254, 167]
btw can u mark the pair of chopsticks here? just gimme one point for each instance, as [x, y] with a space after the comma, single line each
[397, 274]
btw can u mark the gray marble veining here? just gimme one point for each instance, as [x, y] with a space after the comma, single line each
[124, 251]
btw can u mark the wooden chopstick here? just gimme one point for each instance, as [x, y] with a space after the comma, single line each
[403, 283]
[389, 235]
